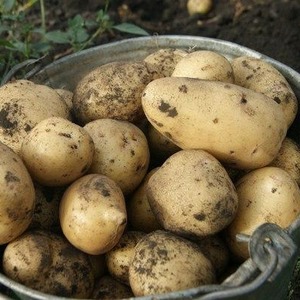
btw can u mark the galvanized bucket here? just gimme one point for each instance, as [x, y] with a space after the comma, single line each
[273, 250]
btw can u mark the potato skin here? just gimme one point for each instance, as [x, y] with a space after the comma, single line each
[204, 64]
[93, 214]
[46, 262]
[57, 152]
[121, 152]
[164, 262]
[111, 91]
[191, 194]
[23, 104]
[260, 76]
[221, 118]
[17, 195]
[266, 195]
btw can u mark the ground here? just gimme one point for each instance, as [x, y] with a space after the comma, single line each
[268, 26]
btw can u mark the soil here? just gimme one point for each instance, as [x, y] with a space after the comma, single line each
[271, 27]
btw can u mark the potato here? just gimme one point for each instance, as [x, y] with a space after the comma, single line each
[112, 91]
[164, 262]
[93, 214]
[199, 6]
[57, 152]
[288, 158]
[121, 152]
[162, 62]
[242, 128]
[160, 146]
[266, 195]
[17, 195]
[204, 64]
[46, 262]
[109, 288]
[23, 104]
[260, 76]
[119, 258]
[140, 215]
[191, 194]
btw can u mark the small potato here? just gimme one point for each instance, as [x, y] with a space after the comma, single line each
[204, 64]
[191, 194]
[23, 104]
[164, 262]
[121, 152]
[111, 91]
[108, 288]
[266, 195]
[140, 215]
[260, 76]
[93, 214]
[119, 258]
[288, 159]
[46, 262]
[162, 62]
[199, 6]
[17, 195]
[241, 128]
[57, 152]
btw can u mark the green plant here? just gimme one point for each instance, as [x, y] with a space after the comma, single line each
[21, 40]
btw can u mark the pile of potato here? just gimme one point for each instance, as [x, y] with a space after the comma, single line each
[138, 181]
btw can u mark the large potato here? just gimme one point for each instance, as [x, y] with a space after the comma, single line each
[121, 152]
[204, 64]
[17, 195]
[164, 262]
[261, 76]
[93, 214]
[240, 127]
[57, 152]
[23, 104]
[266, 195]
[112, 91]
[46, 262]
[191, 194]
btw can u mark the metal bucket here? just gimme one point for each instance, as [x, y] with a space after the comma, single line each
[273, 250]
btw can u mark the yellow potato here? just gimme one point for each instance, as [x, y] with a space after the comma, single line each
[260, 76]
[204, 64]
[266, 195]
[17, 195]
[121, 152]
[23, 104]
[242, 128]
[191, 194]
[93, 214]
[112, 91]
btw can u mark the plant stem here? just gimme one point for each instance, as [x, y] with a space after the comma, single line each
[42, 6]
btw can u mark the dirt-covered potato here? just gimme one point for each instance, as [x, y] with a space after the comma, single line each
[140, 214]
[119, 258]
[48, 263]
[112, 91]
[162, 62]
[17, 195]
[121, 152]
[204, 64]
[108, 288]
[23, 104]
[46, 209]
[242, 128]
[288, 158]
[191, 194]
[199, 6]
[260, 76]
[93, 214]
[266, 195]
[57, 151]
[164, 262]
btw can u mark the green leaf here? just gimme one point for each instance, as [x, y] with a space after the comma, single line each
[80, 35]
[6, 43]
[7, 5]
[130, 28]
[76, 22]
[58, 37]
